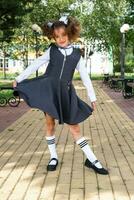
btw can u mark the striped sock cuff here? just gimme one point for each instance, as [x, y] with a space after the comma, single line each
[50, 140]
[82, 142]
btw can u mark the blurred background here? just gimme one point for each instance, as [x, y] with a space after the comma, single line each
[107, 36]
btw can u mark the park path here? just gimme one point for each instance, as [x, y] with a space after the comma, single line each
[127, 105]
[24, 156]
[10, 114]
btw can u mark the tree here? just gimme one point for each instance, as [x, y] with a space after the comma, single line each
[129, 18]
[11, 17]
[51, 10]
[11, 13]
[20, 36]
[103, 21]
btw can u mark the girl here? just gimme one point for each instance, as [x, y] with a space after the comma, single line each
[53, 92]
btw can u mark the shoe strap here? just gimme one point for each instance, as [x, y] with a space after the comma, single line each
[96, 161]
[53, 159]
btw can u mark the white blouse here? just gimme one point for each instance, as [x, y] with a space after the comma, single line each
[81, 68]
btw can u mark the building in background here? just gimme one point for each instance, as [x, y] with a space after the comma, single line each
[97, 63]
[17, 66]
[100, 63]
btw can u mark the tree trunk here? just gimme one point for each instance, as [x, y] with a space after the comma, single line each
[4, 64]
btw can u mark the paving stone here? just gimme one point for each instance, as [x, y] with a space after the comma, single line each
[24, 156]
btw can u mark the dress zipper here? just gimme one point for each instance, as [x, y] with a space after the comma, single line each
[63, 64]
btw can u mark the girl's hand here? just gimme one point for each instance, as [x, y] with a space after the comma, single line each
[93, 105]
[14, 83]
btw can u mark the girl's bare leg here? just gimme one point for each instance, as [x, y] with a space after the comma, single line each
[75, 130]
[50, 125]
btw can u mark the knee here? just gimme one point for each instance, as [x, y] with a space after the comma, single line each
[75, 129]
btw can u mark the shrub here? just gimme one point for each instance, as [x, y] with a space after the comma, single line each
[129, 67]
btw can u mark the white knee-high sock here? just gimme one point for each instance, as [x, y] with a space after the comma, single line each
[52, 148]
[87, 150]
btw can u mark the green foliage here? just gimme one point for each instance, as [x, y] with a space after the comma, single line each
[50, 11]
[129, 67]
[24, 39]
[6, 94]
[103, 24]
[9, 76]
[101, 21]
[11, 13]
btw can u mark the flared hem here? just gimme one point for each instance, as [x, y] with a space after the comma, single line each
[59, 100]
[58, 119]
[79, 121]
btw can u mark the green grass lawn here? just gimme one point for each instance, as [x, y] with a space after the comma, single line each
[5, 83]
[10, 76]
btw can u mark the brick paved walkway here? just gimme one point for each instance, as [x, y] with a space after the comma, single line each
[9, 114]
[127, 105]
[24, 156]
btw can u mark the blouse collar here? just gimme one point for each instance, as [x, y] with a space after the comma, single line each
[67, 47]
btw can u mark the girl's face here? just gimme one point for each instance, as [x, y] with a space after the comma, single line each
[61, 37]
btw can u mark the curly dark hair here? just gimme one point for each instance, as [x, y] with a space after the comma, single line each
[72, 28]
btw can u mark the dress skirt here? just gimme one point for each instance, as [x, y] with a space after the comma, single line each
[56, 97]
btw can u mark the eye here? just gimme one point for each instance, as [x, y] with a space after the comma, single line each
[64, 34]
[56, 36]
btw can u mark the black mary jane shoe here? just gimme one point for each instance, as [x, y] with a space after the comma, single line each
[96, 169]
[52, 167]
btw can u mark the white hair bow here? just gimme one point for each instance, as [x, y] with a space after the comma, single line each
[64, 19]
[49, 24]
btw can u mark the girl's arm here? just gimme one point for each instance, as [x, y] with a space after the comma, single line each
[34, 66]
[86, 79]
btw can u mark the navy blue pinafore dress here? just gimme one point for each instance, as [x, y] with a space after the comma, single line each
[53, 92]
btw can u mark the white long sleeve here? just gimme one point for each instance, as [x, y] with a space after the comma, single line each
[86, 79]
[34, 66]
